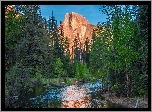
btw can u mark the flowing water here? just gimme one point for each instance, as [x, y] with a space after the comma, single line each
[74, 96]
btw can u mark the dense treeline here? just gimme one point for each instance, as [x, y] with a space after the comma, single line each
[120, 54]
[35, 51]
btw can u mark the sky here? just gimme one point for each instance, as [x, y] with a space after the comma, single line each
[90, 12]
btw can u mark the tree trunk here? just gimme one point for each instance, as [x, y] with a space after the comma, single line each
[64, 78]
[127, 81]
[109, 89]
[59, 78]
[115, 70]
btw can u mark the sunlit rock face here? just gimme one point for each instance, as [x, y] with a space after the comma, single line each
[11, 8]
[75, 25]
[75, 98]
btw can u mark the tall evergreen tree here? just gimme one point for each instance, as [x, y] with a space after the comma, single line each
[33, 47]
[12, 35]
[87, 51]
[76, 48]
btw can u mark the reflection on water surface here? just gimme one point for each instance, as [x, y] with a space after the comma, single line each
[74, 96]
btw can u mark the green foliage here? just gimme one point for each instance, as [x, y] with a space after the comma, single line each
[115, 86]
[142, 92]
[12, 37]
[26, 46]
[58, 67]
[38, 74]
[9, 76]
[66, 62]
[68, 83]
[101, 73]
[72, 69]
[79, 71]
[93, 79]
[117, 52]
[82, 72]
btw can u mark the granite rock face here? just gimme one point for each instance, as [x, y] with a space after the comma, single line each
[75, 25]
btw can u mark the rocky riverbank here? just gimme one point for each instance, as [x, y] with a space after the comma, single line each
[123, 101]
[126, 102]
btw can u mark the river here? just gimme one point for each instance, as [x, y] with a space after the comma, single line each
[74, 96]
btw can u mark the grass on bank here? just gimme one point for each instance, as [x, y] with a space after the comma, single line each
[54, 81]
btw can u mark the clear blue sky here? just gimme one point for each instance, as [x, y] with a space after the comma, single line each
[90, 12]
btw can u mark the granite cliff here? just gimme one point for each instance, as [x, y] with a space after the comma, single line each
[75, 25]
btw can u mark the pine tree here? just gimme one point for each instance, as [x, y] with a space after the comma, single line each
[87, 51]
[12, 35]
[33, 47]
[76, 48]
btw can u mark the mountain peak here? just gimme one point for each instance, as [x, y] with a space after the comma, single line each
[76, 25]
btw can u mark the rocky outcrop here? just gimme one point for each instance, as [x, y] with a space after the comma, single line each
[75, 25]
